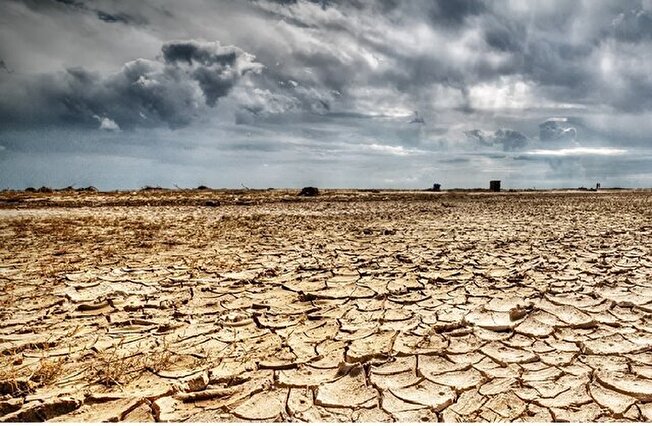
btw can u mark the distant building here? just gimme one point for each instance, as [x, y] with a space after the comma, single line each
[494, 185]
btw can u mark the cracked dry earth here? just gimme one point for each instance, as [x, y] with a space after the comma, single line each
[382, 307]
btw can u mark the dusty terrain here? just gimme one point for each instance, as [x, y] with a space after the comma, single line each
[351, 306]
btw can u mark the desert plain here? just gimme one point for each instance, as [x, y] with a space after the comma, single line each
[382, 306]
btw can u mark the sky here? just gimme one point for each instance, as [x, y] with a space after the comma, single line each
[330, 93]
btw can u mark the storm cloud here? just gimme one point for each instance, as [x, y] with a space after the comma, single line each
[337, 82]
[171, 90]
[509, 139]
[556, 129]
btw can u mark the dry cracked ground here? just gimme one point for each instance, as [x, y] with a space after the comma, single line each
[351, 306]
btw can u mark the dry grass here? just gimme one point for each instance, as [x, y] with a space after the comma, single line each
[46, 372]
[111, 368]
[116, 366]
[159, 359]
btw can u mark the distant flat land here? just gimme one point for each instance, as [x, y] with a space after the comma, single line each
[350, 306]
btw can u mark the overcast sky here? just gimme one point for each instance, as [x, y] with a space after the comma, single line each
[332, 93]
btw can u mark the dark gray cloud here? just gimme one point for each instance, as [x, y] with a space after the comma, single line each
[86, 7]
[171, 91]
[509, 139]
[632, 25]
[557, 129]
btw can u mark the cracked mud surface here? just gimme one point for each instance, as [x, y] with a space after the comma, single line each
[348, 307]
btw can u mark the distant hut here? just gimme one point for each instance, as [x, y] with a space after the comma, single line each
[494, 185]
[309, 191]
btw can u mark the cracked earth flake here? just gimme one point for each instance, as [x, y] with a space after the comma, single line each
[263, 406]
[492, 336]
[111, 411]
[278, 321]
[506, 355]
[496, 386]
[320, 331]
[168, 409]
[350, 391]
[141, 414]
[38, 411]
[330, 354]
[306, 376]
[506, 405]
[572, 397]
[531, 327]
[615, 344]
[459, 380]
[426, 393]
[627, 384]
[558, 358]
[394, 381]
[583, 414]
[397, 315]
[535, 414]
[606, 362]
[395, 405]
[511, 370]
[351, 291]
[469, 402]
[550, 373]
[646, 411]
[279, 360]
[642, 371]
[568, 314]
[615, 402]
[397, 365]
[195, 382]
[495, 321]
[411, 344]
[299, 400]
[435, 365]
[465, 344]
[371, 415]
[374, 346]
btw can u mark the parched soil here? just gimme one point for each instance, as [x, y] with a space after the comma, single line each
[349, 306]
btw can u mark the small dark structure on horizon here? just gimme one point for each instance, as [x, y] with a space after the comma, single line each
[309, 191]
[436, 187]
[494, 185]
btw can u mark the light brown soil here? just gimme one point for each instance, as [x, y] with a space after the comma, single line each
[351, 306]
